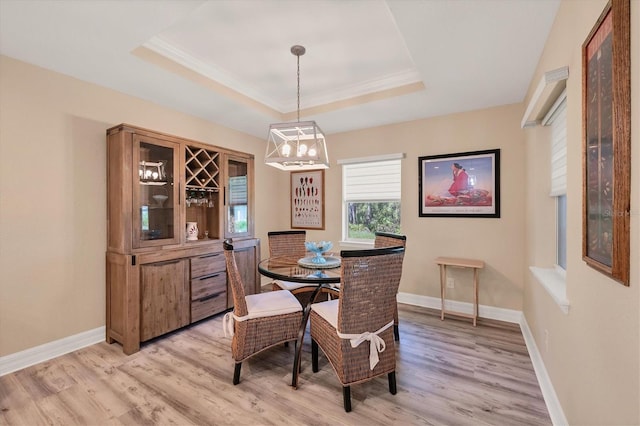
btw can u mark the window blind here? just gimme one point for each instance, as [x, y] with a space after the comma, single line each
[558, 122]
[372, 181]
[238, 190]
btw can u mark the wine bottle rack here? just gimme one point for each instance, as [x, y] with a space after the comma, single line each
[202, 169]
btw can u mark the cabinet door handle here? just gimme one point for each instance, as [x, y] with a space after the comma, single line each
[209, 255]
[209, 276]
[168, 262]
[211, 296]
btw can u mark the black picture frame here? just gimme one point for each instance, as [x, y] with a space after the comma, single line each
[462, 184]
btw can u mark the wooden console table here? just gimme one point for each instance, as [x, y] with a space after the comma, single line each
[443, 262]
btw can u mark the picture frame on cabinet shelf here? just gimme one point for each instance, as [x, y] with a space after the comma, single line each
[606, 153]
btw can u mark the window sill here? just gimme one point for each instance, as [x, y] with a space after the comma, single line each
[555, 283]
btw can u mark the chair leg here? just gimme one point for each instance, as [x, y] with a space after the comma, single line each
[396, 332]
[392, 383]
[295, 351]
[346, 396]
[314, 356]
[236, 373]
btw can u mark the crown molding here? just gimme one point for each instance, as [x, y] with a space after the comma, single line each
[387, 82]
[175, 54]
[217, 74]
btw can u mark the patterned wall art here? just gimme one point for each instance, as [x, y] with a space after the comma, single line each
[464, 184]
[307, 199]
[606, 113]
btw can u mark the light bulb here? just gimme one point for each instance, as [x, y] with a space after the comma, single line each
[312, 152]
[286, 149]
[302, 150]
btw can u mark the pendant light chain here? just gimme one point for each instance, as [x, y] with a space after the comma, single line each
[298, 56]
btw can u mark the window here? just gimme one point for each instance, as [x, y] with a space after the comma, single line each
[561, 232]
[557, 119]
[370, 197]
[553, 280]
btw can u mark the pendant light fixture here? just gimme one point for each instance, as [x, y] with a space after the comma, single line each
[298, 145]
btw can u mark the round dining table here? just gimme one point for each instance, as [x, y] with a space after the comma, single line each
[320, 277]
[290, 268]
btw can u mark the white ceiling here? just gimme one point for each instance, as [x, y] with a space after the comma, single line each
[368, 62]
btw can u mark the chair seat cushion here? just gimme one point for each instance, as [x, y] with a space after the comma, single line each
[289, 285]
[271, 303]
[327, 310]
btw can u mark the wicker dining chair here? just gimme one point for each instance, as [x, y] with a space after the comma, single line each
[258, 321]
[386, 239]
[290, 243]
[364, 311]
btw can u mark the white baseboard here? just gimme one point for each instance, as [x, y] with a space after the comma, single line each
[19, 360]
[489, 312]
[548, 392]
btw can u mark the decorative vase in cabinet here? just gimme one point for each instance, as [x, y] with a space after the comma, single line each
[192, 231]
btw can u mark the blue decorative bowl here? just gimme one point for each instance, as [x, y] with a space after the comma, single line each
[317, 248]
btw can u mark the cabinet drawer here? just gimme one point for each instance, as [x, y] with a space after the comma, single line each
[208, 285]
[207, 306]
[207, 264]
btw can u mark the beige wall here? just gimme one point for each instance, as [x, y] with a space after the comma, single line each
[593, 353]
[499, 242]
[53, 196]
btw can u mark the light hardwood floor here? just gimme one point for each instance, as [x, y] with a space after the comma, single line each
[448, 373]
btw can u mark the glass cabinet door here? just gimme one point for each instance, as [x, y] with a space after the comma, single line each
[155, 196]
[238, 209]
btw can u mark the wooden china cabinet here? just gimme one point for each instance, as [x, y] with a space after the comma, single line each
[157, 279]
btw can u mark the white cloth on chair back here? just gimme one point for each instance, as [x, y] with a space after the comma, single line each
[329, 311]
[376, 343]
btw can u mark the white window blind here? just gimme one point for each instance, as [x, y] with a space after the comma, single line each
[372, 181]
[557, 118]
[238, 190]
